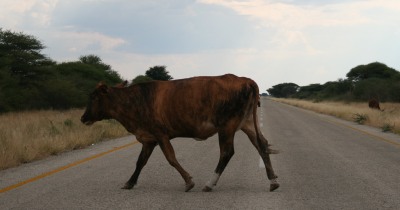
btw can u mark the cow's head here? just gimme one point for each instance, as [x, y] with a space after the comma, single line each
[97, 107]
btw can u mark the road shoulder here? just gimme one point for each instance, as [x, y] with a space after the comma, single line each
[22, 173]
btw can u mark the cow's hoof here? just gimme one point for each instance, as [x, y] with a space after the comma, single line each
[189, 186]
[127, 186]
[207, 189]
[273, 187]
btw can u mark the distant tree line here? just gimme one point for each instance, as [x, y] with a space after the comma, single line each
[31, 80]
[363, 82]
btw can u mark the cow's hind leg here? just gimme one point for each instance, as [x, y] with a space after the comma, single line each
[147, 149]
[264, 152]
[226, 153]
[169, 153]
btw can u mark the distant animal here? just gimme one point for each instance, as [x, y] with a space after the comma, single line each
[374, 104]
[199, 107]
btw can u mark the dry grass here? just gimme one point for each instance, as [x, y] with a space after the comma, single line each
[387, 120]
[29, 136]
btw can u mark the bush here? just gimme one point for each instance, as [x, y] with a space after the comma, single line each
[387, 127]
[360, 118]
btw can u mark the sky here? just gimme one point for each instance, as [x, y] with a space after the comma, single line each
[269, 41]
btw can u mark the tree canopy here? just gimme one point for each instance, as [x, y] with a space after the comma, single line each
[21, 57]
[140, 79]
[158, 73]
[31, 80]
[372, 70]
[283, 90]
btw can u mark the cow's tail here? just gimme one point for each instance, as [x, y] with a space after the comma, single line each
[263, 145]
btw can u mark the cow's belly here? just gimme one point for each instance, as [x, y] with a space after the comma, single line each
[204, 131]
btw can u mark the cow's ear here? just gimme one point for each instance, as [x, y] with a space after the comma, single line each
[102, 87]
[122, 85]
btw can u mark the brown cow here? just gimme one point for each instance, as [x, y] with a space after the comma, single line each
[199, 107]
[374, 104]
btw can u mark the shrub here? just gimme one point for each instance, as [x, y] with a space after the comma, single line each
[360, 118]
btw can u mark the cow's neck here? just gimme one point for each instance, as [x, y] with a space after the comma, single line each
[121, 110]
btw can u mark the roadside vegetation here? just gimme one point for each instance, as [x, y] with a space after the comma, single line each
[33, 135]
[359, 112]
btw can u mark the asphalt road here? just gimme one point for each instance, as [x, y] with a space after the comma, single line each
[324, 163]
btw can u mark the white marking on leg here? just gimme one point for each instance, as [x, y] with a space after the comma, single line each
[261, 163]
[213, 181]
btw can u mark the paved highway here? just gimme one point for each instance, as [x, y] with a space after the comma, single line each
[324, 163]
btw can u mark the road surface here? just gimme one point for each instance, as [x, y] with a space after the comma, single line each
[324, 163]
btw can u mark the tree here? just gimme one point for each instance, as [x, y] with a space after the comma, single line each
[76, 79]
[20, 55]
[372, 70]
[107, 72]
[92, 59]
[23, 69]
[95, 60]
[283, 90]
[374, 80]
[158, 73]
[372, 88]
[141, 79]
[309, 91]
[339, 88]
[30, 80]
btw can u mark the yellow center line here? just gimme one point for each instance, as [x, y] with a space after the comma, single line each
[46, 174]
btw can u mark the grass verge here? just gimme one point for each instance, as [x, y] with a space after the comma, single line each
[387, 120]
[33, 135]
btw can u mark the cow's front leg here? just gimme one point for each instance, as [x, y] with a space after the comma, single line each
[169, 153]
[147, 149]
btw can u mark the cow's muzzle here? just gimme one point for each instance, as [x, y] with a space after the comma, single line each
[86, 121]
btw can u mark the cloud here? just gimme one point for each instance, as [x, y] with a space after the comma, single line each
[89, 41]
[289, 23]
[67, 45]
[151, 27]
[26, 13]
[287, 14]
